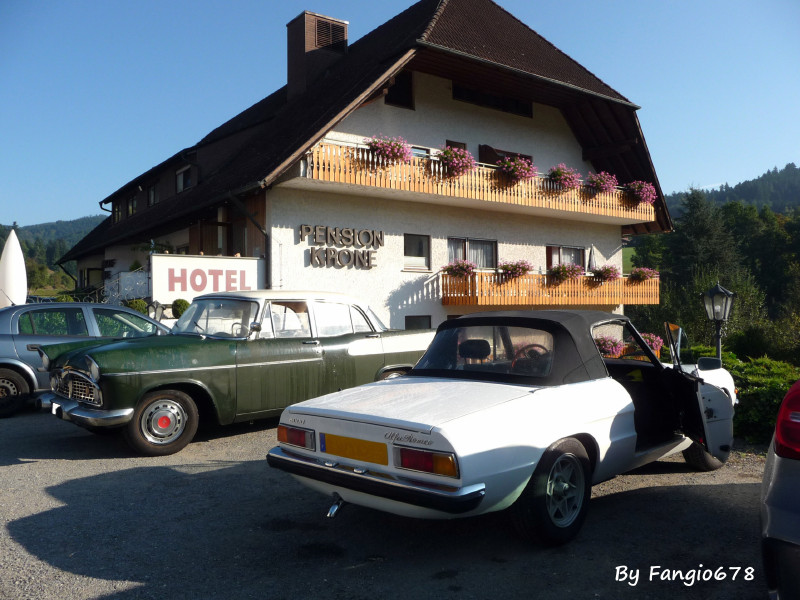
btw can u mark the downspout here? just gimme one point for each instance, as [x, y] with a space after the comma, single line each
[267, 261]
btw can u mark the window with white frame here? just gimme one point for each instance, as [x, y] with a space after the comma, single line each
[416, 252]
[481, 252]
[560, 255]
[183, 179]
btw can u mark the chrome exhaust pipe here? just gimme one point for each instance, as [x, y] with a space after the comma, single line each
[337, 504]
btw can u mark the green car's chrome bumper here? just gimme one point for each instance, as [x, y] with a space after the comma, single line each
[70, 410]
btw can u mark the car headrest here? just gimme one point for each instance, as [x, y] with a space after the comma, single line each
[474, 349]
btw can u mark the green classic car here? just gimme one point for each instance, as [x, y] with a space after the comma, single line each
[234, 356]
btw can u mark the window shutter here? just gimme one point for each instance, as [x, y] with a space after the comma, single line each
[488, 155]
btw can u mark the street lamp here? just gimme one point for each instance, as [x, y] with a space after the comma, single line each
[719, 302]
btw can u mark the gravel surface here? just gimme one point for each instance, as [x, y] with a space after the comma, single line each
[85, 518]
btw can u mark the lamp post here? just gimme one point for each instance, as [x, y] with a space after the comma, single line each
[718, 302]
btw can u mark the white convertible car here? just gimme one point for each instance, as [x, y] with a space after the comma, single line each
[511, 410]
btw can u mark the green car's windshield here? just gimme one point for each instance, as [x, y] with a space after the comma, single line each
[217, 317]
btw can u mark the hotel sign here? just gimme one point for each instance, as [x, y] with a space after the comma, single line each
[182, 276]
[342, 246]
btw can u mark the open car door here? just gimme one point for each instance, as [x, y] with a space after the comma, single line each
[706, 410]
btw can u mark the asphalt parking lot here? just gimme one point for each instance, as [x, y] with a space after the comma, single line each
[82, 517]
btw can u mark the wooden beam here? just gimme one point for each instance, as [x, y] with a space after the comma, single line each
[608, 150]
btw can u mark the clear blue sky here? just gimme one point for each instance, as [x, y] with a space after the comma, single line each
[93, 93]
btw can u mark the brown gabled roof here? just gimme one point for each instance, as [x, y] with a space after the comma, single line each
[467, 36]
[484, 30]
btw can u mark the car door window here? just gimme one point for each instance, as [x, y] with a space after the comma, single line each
[54, 322]
[360, 322]
[117, 323]
[290, 319]
[332, 319]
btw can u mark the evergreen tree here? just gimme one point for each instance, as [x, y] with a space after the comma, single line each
[700, 239]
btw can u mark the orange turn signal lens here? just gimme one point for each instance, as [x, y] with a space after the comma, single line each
[426, 461]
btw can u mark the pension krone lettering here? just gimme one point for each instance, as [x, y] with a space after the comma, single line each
[342, 246]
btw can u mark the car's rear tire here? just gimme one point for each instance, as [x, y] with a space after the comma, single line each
[699, 459]
[164, 423]
[552, 507]
[13, 392]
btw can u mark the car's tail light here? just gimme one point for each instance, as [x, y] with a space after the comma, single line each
[787, 428]
[296, 436]
[426, 461]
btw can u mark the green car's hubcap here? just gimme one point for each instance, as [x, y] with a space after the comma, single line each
[565, 488]
[163, 422]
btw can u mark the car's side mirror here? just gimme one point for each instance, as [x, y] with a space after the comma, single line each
[255, 327]
[708, 363]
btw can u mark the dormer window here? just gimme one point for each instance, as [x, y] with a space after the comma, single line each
[183, 179]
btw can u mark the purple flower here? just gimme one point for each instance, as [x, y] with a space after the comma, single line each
[642, 274]
[516, 268]
[642, 191]
[456, 161]
[654, 341]
[460, 268]
[392, 150]
[602, 181]
[609, 345]
[517, 167]
[606, 273]
[565, 272]
[567, 177]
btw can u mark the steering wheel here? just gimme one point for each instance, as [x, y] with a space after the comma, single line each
[529, 352]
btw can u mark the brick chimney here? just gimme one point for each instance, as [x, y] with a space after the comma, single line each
[314, 43]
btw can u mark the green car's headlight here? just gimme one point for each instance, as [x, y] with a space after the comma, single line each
[93, 367]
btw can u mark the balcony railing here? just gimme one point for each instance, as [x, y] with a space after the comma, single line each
[494, 289]
[360, 166]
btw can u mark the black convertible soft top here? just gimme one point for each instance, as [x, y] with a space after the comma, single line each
[576, 357]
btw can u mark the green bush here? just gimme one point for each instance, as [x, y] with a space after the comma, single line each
[64, 298]
[761, 383]
[179, 306]
[138, 305]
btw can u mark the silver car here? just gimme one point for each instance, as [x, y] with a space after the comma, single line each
[25, 327]
[780, 503]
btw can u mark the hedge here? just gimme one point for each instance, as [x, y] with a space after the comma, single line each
[761, 384]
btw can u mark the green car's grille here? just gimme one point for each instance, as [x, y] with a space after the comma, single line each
[77, 388]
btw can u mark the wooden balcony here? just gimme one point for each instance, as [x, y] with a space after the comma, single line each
[493, 289]
[424, 179]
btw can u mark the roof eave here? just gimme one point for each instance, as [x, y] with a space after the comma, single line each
[525, 74]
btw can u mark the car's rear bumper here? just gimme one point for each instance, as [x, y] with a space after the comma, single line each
[780, 567]
[451, 501]
[70, 410]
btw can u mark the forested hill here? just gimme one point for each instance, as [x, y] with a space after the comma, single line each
[779, 190]
[44, 244]
[70, 232]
